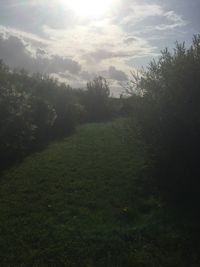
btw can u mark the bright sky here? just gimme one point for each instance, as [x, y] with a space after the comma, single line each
[75, 40]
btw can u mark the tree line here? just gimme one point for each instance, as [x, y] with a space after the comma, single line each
[37, 109]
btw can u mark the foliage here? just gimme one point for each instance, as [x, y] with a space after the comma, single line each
[97, 99]
[36, 109]
[33, 110]
[169, 118]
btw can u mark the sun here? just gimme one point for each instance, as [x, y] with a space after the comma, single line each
[88, 8]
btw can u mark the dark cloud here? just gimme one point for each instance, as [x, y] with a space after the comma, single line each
[63, 64]
[14, 52]
[41, 52]
[17, 54]
[85, 75]
[116, 74]
[130, 40]
[102, 54]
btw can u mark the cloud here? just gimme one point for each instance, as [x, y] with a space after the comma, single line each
[111, 73]
[30, 15]
[174, 22]
[126, 52]
[102, 54]
[85, 75]
[117, 74]
[48, 37]
[18, 53]
[96, 45]
[59, 64]
[6, 32]
[149, 17]
[130, 40]
[138, 12]
[93, 43]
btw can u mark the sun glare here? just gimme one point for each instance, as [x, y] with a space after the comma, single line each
[88, 8]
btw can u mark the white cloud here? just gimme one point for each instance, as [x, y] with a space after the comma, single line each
[139, 12]
[96, 43]
[7, 31]
[83, 47]
[174, 21]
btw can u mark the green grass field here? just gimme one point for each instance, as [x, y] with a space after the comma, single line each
[80, 202]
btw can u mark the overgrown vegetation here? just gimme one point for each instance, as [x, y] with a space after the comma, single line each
[168, 114]
[36, 109]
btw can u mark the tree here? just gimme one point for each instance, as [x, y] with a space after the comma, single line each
[169, 119]
[33, 110]
[96, 99]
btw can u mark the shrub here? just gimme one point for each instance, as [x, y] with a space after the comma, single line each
[96, 99]
[33, 111]
[169, 117]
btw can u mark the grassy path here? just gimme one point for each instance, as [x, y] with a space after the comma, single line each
[78, 204]
[61, 205]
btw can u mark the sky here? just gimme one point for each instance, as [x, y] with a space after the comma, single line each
[77, 40]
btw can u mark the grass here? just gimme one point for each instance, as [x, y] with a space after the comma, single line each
[81, 203]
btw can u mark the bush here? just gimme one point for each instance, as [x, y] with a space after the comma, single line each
[33, 111]
[37, 109]
[169, 117]
[96, 100]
